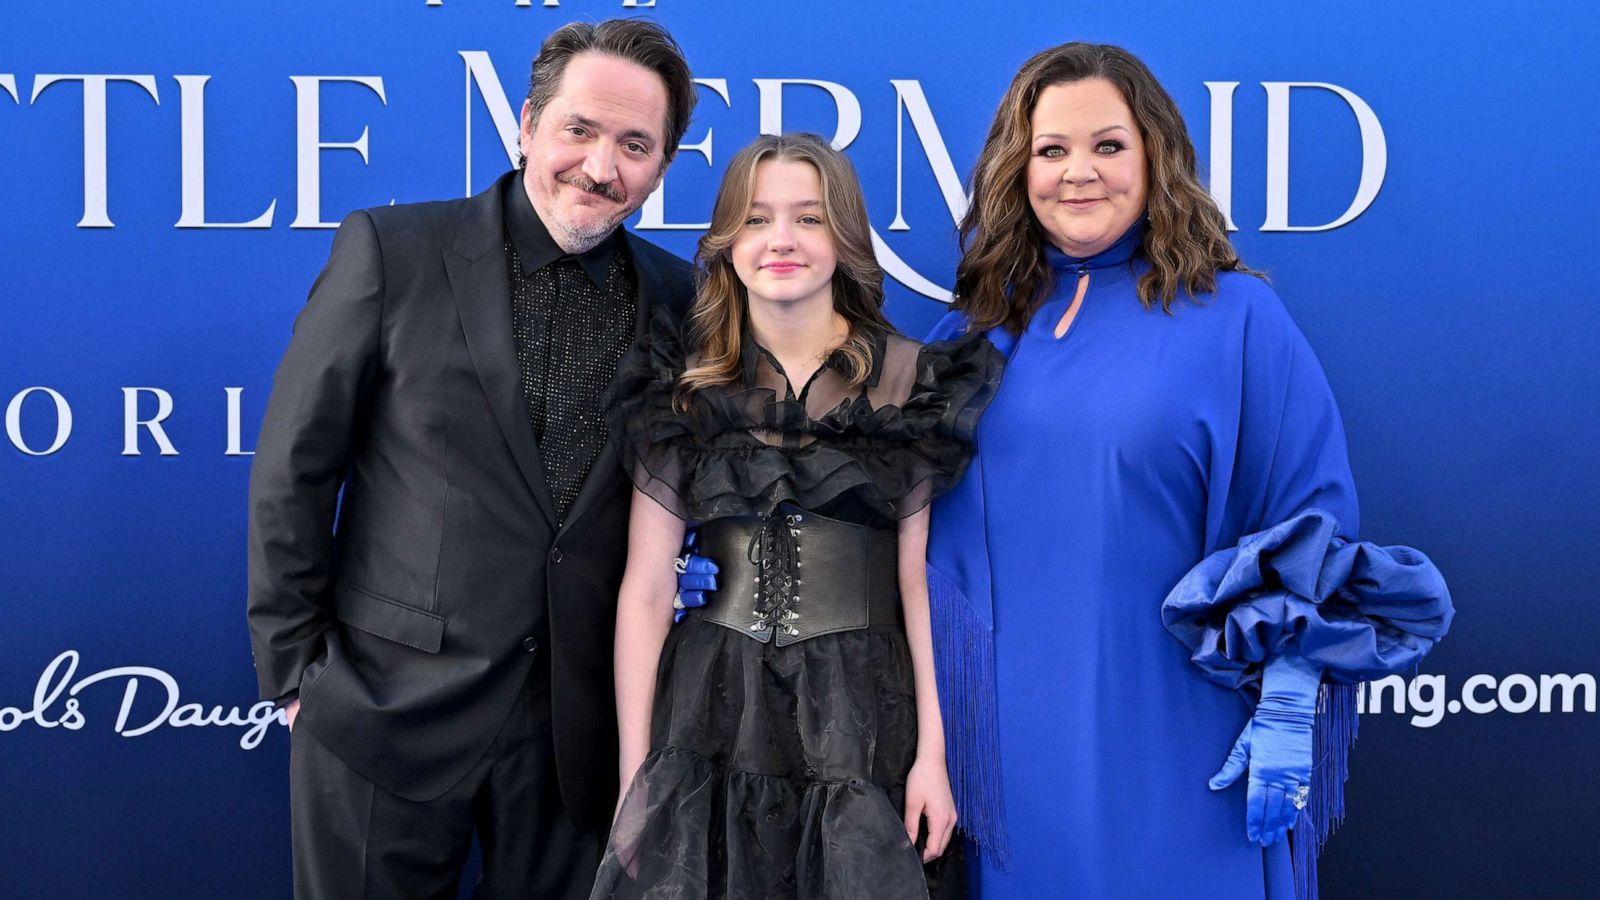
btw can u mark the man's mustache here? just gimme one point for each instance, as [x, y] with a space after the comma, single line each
[609, 190]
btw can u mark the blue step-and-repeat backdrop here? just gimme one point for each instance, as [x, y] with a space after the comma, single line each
[1419, 180]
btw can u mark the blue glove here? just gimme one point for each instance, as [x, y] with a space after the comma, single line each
[1276, 748]
[696, 575]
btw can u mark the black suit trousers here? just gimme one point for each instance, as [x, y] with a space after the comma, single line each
[354, 840]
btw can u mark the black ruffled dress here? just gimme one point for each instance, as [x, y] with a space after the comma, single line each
[777, 769]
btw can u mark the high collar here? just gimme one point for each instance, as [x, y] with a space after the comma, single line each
[537, 249]
[1117, 254]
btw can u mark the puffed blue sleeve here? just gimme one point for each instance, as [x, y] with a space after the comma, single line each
[1357, 610]
[1285, 571]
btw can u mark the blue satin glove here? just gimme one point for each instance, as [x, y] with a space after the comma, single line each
[696, 575]
[1275, 747]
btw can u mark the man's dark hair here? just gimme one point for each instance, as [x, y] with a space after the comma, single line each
[638, 41]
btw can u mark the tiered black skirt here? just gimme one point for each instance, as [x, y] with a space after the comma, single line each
[776, 772]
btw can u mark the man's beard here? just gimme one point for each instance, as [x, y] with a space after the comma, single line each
[575, 240]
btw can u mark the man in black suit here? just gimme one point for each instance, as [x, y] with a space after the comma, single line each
[437, 524]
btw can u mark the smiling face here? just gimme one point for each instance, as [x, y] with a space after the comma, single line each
[785, 252]
[1086, 174]
[597, 150]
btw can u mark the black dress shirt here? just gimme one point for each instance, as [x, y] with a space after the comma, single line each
[573, 318]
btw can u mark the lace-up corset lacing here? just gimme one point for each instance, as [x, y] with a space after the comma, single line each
[775, 551]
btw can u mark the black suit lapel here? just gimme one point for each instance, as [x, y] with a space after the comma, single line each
[481, 283]
[606, 469]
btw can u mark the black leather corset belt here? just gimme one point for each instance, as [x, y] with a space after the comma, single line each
[796, 575]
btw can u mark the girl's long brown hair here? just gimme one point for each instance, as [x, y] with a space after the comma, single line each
[1003, 274]
[716, 321]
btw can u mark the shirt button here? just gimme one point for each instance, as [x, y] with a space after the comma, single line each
[556, 556]
[530, 644]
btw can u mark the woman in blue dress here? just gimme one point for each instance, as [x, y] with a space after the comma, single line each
[1162, 431]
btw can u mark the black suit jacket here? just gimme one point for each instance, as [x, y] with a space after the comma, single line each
[408, 611]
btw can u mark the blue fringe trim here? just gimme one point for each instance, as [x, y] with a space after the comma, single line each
[963, 649]
[1335, 731]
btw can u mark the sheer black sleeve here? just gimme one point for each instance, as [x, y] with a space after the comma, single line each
[655, 444]
[953, 385]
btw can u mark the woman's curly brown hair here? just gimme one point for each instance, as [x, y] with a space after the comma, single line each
[1003, 274]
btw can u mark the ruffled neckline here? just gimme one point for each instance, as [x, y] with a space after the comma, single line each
[752, 352]
[711, 460]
